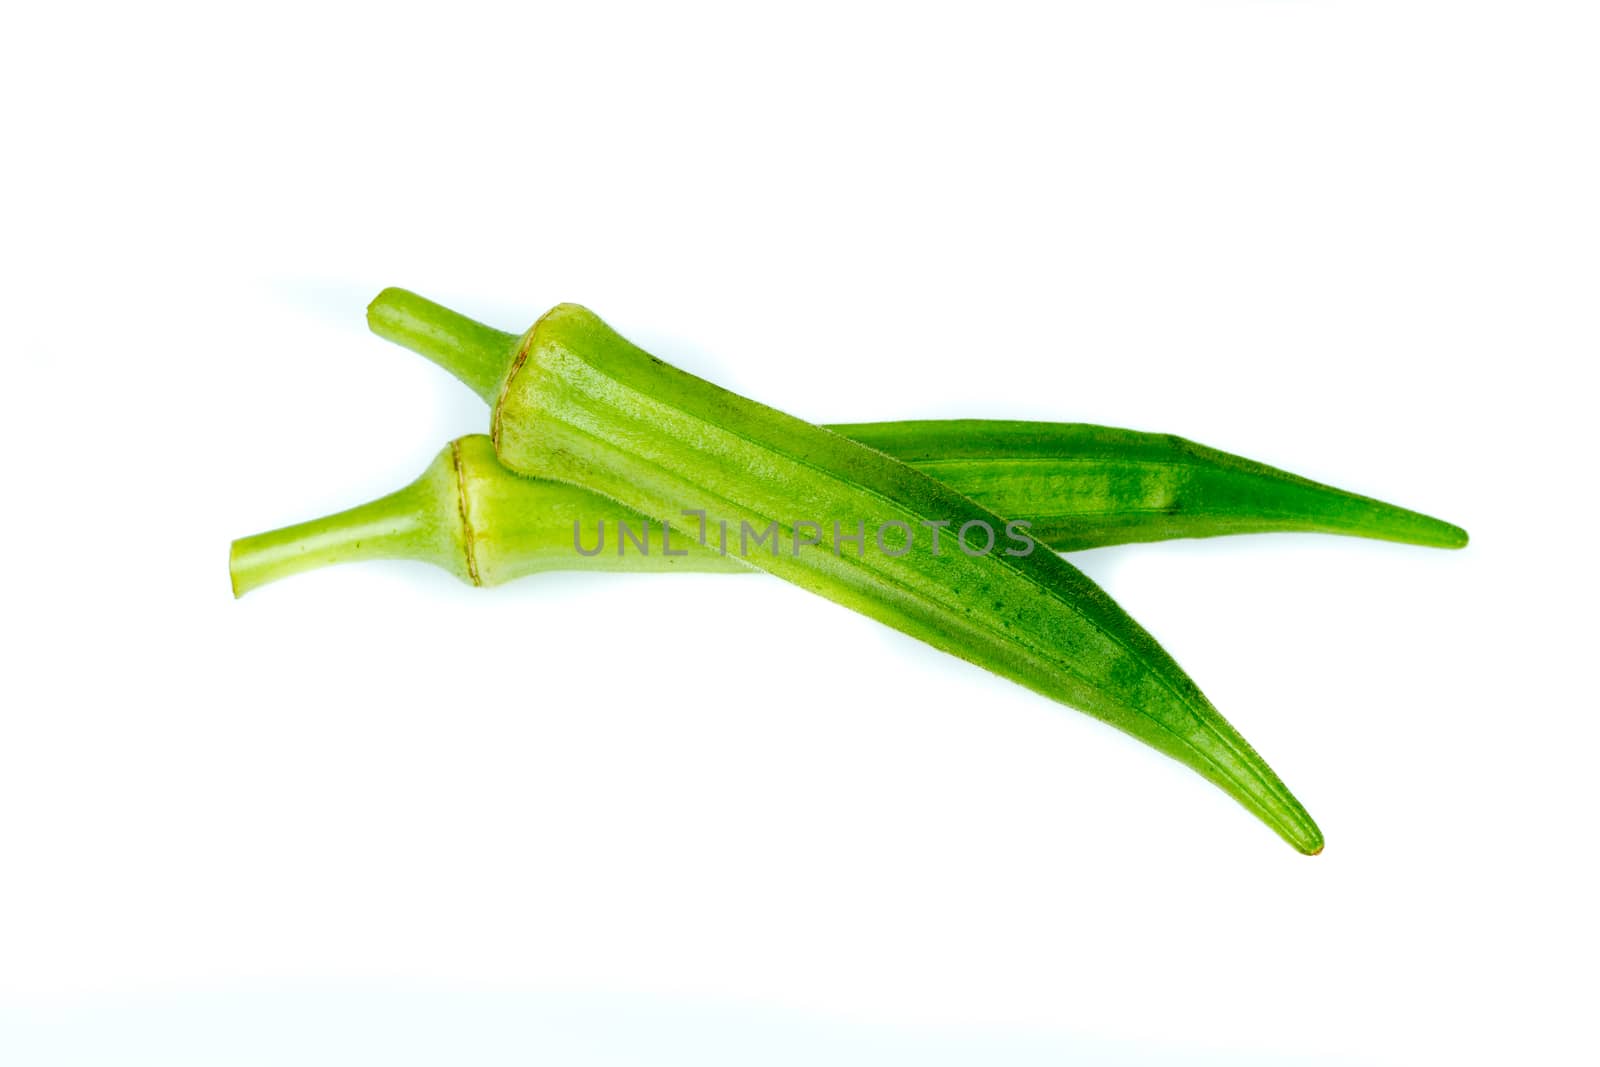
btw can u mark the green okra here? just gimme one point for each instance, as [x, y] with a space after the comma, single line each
[575, 402]
[1083, 486]
[1077, 486]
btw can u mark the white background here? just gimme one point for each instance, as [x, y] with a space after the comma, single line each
[373, 816]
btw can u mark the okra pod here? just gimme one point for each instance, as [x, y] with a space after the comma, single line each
[1077, 486]
[1084, 486]
[575, 402]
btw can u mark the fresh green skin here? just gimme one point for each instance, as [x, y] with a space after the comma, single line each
[1084, 486]
[1078, 487]
[577, 403]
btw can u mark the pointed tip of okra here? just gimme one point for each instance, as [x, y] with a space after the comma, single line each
[1338, 511]
[1292, 823]
[1227, 759]
[1415, 528]
[1384, 521]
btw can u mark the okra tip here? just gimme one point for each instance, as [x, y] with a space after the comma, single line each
[1292, 822]
[1443, 535]
[1412, 527]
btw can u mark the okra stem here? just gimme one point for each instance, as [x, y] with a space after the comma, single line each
[420, 522]
[475, 353]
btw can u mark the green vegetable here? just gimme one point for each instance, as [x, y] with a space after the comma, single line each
[575, 402]
[1084, 486]
[1077, 486]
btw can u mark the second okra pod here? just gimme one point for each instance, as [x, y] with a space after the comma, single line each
[575, 402]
